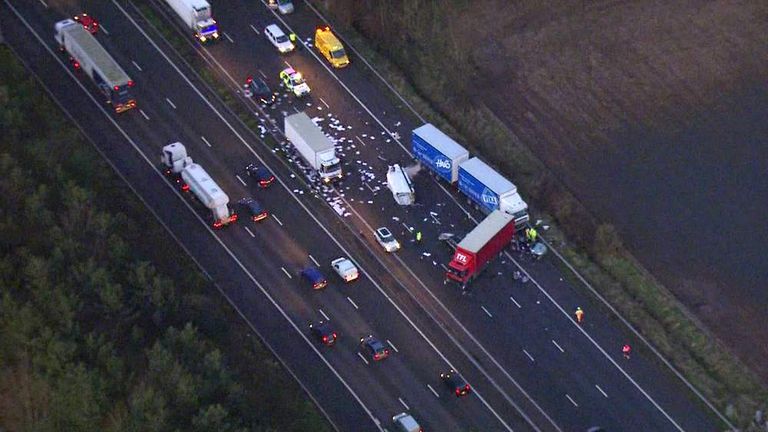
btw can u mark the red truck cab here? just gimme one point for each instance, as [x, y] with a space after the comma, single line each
[477, 249]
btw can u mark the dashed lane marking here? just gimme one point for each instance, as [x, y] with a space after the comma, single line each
[601, 390]
[286, 272]
[143, 114]
[529, 355]
[314, 260]
[136, 65]
[393, 346]
[205, 141]
[326, 105]
[558, 346]
[572, 401]
[515, 302]
[101, 27]
[433, 391]
[353, 303]
[170, 103]
[254, 28]
[486, 311]
[278, 220]
[407, 408]
[228, 38]
[250, 232]
[241, 180]
[362, 358]
[324, 315]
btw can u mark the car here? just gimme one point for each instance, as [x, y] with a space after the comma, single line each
[595, 429]
[254, 209]
[313, 275]
[283, 6]
[323, 332]
[89, 23]
[386, 239]
[294, 82]
[260, 90]
[345, 268]
[261, 174]
[406, 423]
[277, 37]
[374, 347]
[456, 383]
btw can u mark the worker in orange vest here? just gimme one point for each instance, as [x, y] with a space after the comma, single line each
[579, 315]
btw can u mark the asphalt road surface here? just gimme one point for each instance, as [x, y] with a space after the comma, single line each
[531, 366]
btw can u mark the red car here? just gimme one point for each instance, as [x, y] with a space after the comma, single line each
[89, 23]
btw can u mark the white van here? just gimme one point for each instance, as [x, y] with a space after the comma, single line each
[406, 423]
[276, 36]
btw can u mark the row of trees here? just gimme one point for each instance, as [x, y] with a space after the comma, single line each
[93, 336]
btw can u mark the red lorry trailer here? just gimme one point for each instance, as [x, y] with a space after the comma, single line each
[479, 247]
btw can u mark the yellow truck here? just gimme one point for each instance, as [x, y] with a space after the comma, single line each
[330, 46]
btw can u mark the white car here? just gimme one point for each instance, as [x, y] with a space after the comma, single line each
[387, 240]
[278, 38]
[406, 423]
[345, 269]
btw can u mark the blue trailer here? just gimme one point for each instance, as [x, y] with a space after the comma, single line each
[438, 152]
[490, 190]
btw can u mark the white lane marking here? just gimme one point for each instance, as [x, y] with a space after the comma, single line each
[228, 38]
[571, 399]
[262, 74]
[407, 408]
[278, 220]
[406, 226]
[254, 28]
[110, 117]
[205, 141]
[515, 302]
[287, 64]
[529, 356]
[286, 272]
[44, 3]
[486, 311]
[433, 391]
[324, 315]
[558, 346]
[170, 103]
[326, 105]
[360, 140]
[250, 232]
[362, 357]
[353, 303]
[601, 390]
[393, 346]
[136, 65]
[241, 180]
[296, 109]
[146, 117]
[314, 260]
[101, 27]
[369, 187]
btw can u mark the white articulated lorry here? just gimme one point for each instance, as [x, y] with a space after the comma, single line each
[400, 185]
[87, 54]
[192, 177]
[197, 16]
[312, 144]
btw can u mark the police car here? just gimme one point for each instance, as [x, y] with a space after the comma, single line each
[294, 82]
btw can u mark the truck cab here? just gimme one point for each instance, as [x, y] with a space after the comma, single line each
[330, 47]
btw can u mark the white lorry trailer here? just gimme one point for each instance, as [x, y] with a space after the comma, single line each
[194, 178]
[400, 185]
[197, 16]
[312, 144]
[87, 54]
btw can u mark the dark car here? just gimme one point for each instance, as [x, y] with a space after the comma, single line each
[374, 347]
[89, 23]
[260, 90]
[455, 382]
[255, 210]
[313, 275]
[260, 174]
[322, 331]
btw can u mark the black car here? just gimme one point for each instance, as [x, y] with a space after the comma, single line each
[255, 210]
[322, 331]
[260, 90]
[374, 347]
[456, 383]
[261, 174]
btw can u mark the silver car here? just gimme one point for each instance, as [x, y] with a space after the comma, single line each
[387, 240]
[345, 269]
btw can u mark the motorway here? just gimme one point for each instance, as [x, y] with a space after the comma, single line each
[531, 366]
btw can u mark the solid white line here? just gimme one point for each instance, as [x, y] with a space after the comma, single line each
[600, 390]
[278, 220]
[360, 140]
[407, 408]
[205, 141]
[314, 260]
[362, 357]
[515, 301]
[433, 391]
[170, 103]
[486, 311]
[144, 114]
[326, 105]
[393, 346]
[254, 28]
[529, 356]
[249, 231]
[324, 315]
[571, 399]
[228, 38]
[44, 3]
[558, 346]
[136, 65]
[286, 272]
[241, 180]
[101, 27]
[353, 303]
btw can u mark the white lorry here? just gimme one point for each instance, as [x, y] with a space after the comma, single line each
[87, 54]
[400, 185]
[197, 16]
[312, 144]
[193, 177]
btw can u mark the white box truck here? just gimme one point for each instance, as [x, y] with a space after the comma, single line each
[197, 16]
[312, 144]
[400, 185]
